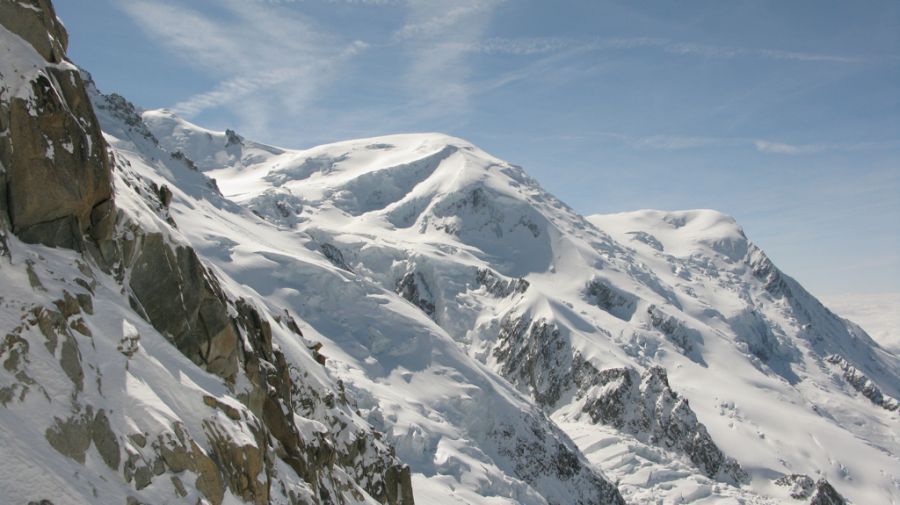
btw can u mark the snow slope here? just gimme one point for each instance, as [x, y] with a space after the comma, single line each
[531, 290]
[403, 372]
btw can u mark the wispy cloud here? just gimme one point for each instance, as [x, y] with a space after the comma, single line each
[771, 147]
[270, 62]
[263, 55]
[767, 146]
[675, 142]
[435, 20]
[545, 45]
[435, 36]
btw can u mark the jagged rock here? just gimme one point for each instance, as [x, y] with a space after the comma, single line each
[14, 352]
[233, 139]
[412, 286]
[179, 452]
[497, 285]
[557, 460]
[68, 306]
[535, 356]
[826, 495]
[335, 256]
[70, 361]
[611, 299]
[71, 437]
[241, 464]
[646, 238]
[4, 245]
[646, 406]
[183, 301]
[105, 440]
[120, 108]
[165, 196]
[772, 278]
[677, 332]
[55, 189]
[802, 486]
[863, 384]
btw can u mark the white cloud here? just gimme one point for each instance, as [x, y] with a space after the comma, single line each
[435, 35]
[543, 45]
[261, 53]
[766, 146]
[675, 142]
[877, 313]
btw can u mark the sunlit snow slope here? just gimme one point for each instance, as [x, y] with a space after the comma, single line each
[388, 246]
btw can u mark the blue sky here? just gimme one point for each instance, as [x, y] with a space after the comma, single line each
[785, 115]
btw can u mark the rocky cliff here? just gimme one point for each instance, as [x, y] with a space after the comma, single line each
[84, 376]
[55, 170]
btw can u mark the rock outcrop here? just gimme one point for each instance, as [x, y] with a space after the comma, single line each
[56, 180]
[413, 287]
[645, 406]
[499, 286]
[863, 384]
[36, 22]
[819, 492]
[539, 359]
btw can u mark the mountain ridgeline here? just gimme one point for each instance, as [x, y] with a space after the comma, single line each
[189, 316]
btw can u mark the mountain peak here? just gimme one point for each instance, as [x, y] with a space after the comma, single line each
[679, 233]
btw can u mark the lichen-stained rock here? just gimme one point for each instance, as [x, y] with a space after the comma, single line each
[73, 436]
[244, 465]
[105, 440]
[58, 171]
[180, 452]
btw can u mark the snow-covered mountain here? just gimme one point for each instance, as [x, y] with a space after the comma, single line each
[389, 320]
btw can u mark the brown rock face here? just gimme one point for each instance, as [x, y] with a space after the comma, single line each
[36, 22]
[183, 301]
[57, 170]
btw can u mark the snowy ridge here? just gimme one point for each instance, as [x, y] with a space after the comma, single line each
[410, 380]
[427, 216]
